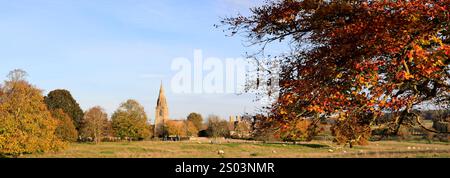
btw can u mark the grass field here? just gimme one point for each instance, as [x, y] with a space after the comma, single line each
[316, 149]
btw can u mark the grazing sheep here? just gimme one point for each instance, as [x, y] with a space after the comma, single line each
[221, 152]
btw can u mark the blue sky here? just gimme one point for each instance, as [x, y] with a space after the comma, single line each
[107, 51]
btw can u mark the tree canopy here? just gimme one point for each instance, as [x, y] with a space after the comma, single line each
[130, 120]
[62, 99]
[217, 127]
[94, 124]
[26, 125]
[352, 59]
[196, 119]
[65, 129]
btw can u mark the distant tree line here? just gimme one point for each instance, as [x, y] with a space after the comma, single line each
[33, 123]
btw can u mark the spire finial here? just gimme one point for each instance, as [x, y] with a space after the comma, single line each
[161, 88]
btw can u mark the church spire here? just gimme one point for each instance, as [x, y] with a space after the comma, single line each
[161, 90]
[162, 97]
[162, 112]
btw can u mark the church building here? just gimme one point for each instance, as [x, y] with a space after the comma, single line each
[162, 113]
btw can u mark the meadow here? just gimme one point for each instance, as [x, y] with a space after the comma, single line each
[239, 149]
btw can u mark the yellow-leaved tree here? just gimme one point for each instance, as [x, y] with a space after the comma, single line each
[65, 130]
[26, 125]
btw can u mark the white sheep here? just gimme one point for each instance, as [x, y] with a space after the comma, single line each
[221, 152]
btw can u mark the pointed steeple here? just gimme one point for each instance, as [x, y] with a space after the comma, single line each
[162, 112]
[162, 102]
[161, 93]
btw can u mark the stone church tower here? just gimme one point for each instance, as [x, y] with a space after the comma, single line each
[162, 113]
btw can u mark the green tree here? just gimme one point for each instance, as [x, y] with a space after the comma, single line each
[196, 119]
[62, 99]
[94, 125]
[26, 125]
[130, 120]
[66, 131]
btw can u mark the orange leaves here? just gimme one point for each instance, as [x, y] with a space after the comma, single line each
[446, 50]
[315, 108]
[358, 67]
[408, 76]
[287, 99]
[411, 56]
[403, 75]
[426, 60]
[361, 79]
[283, 111]
[375, 68]
[366, 52]
[382, 103]
[428, 71]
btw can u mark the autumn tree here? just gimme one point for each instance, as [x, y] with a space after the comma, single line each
[196, 119]
[217, 127]
[65, 129]
[94, 124]
[191, 129]
[62, 99]
[17, 75]
[176, 128]
[356, 59]
[243, 129]
[108, 130]
[26, 125]
[130, 120]
[181, 128]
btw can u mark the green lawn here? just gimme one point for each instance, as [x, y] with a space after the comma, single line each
[316, 149]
